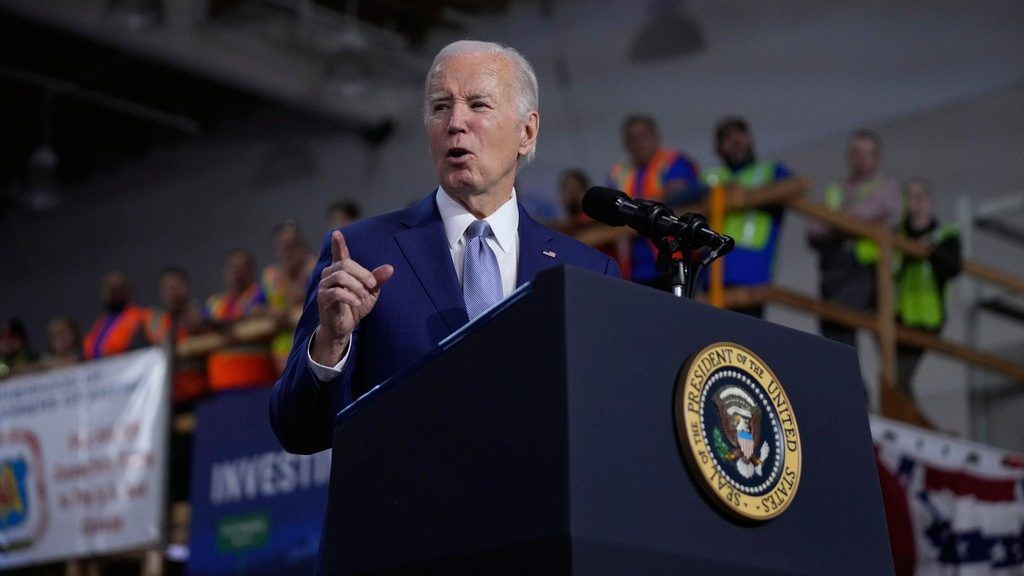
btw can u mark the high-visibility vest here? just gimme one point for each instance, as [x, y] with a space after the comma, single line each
[865, 250]
[639, 262]
[238, 365]
[651, 184]
[750, 228]
[277, 288]
[756, 230]
[920, 301]
[116, 333]
[223, 308]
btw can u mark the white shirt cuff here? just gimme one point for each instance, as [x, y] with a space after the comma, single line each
[327, 373]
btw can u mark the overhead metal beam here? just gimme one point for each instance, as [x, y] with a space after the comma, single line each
[55, 86]
[235, 55]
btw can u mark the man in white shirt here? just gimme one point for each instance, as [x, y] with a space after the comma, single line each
[391, 287]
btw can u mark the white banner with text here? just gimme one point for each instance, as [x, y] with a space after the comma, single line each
[82, 459]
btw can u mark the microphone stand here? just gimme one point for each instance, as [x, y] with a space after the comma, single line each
[675, 257]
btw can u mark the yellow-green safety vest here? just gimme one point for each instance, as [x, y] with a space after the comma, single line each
[920, 302]
[751, 228]
[865, 250]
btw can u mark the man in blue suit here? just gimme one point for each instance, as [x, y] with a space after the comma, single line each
[389, 288]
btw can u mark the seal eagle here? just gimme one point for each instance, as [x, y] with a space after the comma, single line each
[741, 421]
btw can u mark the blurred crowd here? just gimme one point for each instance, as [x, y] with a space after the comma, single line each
[275, 293]
[847, 264]
[650, 170]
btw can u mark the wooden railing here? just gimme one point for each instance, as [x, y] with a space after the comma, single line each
[882, 323]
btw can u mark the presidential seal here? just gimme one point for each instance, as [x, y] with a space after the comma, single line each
[737, 432]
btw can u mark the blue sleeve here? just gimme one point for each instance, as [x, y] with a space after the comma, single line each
[684, 169]
[778, 211]
[260, 297]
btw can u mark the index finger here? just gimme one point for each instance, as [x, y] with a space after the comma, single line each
[339, 250]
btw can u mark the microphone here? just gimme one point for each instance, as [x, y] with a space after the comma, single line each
[650, 219]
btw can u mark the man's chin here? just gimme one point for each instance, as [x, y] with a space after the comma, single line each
[460, 186]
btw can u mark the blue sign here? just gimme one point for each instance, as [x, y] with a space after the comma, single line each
[256, 509]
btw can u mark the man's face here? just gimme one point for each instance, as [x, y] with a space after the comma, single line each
[572, 195]
[10, 342]
[919, 202]
[115, 292]
[238, 272]
[736, 147]
[473, 130]
[61, 339]
[863, 157]
[175, 292]
[289, 248]
[641, 142]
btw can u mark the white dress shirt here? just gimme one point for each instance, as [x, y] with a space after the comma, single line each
[504, 241]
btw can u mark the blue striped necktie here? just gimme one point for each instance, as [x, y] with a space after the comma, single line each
[481, 278]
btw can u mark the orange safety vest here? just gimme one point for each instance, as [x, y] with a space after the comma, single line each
[116, 333]
[238, 365]
[188, 380]
[651, 186]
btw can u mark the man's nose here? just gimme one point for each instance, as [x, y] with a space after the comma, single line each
[457, 121]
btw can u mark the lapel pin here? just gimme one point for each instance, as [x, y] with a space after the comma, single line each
[549, 253]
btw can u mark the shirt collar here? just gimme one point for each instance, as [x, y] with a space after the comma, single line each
[504, 222]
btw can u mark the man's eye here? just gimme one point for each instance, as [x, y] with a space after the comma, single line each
[441, 106]
[479, 105]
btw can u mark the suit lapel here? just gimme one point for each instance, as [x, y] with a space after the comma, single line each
[425, 247]
[534, 240]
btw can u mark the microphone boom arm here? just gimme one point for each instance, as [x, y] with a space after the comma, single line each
[684, 270]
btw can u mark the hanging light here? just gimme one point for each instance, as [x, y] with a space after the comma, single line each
[40, 192]
[669, 33]
[136, 15]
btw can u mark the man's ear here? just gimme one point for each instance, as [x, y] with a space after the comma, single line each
[528, 136]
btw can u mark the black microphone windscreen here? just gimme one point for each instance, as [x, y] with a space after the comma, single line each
[602, 204]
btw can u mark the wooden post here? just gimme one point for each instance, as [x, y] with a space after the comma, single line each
[885, 317]
[152, 563]
[716, 218]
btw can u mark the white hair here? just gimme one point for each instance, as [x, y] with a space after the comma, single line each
[525, 90]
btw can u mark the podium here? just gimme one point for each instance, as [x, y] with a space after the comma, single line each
[541, 439]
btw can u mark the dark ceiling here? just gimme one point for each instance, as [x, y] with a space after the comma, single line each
[97, 105]
[411, 18]
[44, 70]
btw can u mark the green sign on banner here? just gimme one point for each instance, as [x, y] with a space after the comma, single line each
[243, 532]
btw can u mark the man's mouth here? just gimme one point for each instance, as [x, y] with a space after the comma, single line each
[456, 153]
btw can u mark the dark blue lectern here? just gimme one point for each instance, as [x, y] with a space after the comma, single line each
[541, 440]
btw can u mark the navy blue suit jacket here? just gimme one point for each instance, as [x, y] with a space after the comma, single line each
[418, 307]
